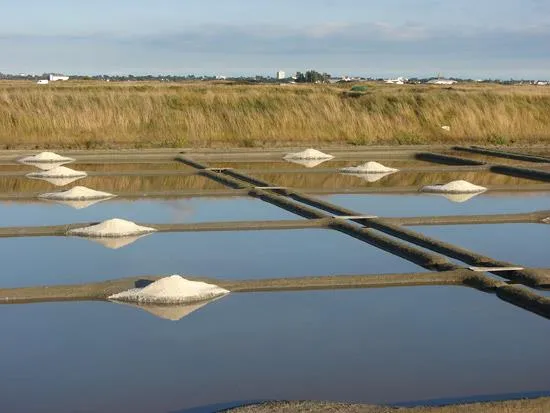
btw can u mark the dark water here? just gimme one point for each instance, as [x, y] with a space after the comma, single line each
[522, 244]
[399, 205]
[156, 210]
[230, 255]
[376, 346]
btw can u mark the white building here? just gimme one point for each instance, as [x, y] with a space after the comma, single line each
[55, 78]
[441, 81]
[42, 82]
[281, 75]
[399, 81]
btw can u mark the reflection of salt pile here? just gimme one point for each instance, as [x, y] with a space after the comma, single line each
[111, 228]
[308, 163]
[59, 172]
[369, 168]
[460, 197]
[308, 154]
[46, 157]
[77, 193]
[171, 290]
[59, 181]
[455, 187]
[45, 166]
[116, 243]
[370, 177]
[77, 204]
[172, 312]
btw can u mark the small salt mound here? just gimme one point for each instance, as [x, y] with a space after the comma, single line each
[308, 154]
[77, 193]
[59, 172]
[59, 181]
[174, 312]
[308, 163]
[111, 228]
[171, 290]
[370, 177]
[455, 187]
[46, 157]
[45, 166]
[369, 167]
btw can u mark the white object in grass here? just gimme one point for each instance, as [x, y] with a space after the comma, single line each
[312, 154]
[369, 167]
[46, 157]
[111, 228]
[171, 290]
[446, 128]
[455, 187]
[59, 172]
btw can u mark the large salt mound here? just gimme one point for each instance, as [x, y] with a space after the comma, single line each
[46, 157]
[308, 163]
[174, 312]
[111, 228]
[308, 154]
[171, 290]
[369, 167]
[59, 172]
[77, 193]
[455, 187]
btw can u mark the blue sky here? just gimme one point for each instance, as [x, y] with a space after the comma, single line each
[482, 38]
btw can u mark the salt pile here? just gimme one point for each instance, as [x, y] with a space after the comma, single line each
[46, 157]
[168, 312]
[369, 167]
[111, 228]
[77, 193]
[313, 154]
[45, 166]
[59, 172]
[308, 163]
[171, 290]
[60, 181]
[455, 187]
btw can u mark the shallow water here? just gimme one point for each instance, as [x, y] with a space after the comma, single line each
[522, 244]
[332, 163]
[228, 255]
[410, 205]
[153, 211]
[374, 346]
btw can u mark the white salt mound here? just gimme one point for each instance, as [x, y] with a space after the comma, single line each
[308, 163]
[369, 176]
[45, 166]
[308, 154]
[455, 187]
[46, 157]
[77, 193]
[59, 172]
[369, 167]
[111, 228]
[171, 290]
[59, 181]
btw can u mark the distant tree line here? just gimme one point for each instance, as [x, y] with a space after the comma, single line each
[312, 76]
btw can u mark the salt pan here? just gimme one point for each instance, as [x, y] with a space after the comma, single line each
[455, 187]
[46, 157]
[171, 290]
[313, 154]
[111, 228]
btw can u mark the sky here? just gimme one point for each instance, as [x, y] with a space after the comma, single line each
[382, 38]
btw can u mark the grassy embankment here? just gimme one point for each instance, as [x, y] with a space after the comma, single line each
[154, 114]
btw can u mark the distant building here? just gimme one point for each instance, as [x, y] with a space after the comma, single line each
[541, 83]
[43, 82]
[55, 78]
[281, 75]
[398, 81]
[442, 81]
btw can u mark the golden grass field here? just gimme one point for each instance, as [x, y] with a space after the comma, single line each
[94, 114]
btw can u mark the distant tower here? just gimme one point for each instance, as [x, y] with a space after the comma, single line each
[281, 75]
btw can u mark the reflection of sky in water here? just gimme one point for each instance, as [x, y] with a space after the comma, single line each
[232, 255]
[522, 244]
[430, 204]
[373, 346]
[143, 210]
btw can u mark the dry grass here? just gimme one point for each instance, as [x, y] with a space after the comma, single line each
[155, 114]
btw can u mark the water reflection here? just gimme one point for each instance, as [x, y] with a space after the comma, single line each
[166, 312]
